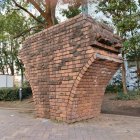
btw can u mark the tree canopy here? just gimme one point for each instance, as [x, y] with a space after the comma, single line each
[11, 24]
[45, 8]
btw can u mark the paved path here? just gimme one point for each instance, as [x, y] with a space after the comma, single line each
[17, 125]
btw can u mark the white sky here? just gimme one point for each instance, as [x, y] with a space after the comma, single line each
[91, 11]
[92, 8]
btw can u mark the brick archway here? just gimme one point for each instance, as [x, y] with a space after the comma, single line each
[88, 89]
[68, 67]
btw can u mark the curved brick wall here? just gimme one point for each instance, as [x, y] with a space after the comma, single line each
[69, 66]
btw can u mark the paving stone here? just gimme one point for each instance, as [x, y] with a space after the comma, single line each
[106, 127]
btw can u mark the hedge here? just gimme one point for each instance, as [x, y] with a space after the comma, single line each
[131, 95]
[12, 94]
[114, 88]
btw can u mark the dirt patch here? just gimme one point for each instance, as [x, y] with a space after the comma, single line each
[109, 106]
[129, 108]
[25, 104]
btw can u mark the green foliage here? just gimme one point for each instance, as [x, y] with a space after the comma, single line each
[71, 12]
[126, 19]
[116, 85]
[11, 24]
[12, 94]
[114, 88]
[14, 23]
[125, 14]
[26, 84]
[132, 46]
[133, 95]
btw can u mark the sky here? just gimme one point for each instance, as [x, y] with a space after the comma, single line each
[91, 11]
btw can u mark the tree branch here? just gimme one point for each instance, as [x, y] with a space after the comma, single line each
[16, 4]
[38, 8]
[26, 31]
[53, 4]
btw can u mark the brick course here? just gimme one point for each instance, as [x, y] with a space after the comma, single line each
[69, 66]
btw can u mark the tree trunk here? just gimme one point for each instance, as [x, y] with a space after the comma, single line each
[124, 76]
[138, 67]
[53, 4]
[12, 69]
[2, 70]
[7, 69]
[85, 7]
[22, 75]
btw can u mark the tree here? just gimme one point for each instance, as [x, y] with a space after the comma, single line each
[11, 24]
[133, 53]
[45, 8]
[124, 16]
[71, 12]
[14, 27]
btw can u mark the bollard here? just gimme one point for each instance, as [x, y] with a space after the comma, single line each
[20, 94]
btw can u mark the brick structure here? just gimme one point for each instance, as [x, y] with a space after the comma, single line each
[69, 66]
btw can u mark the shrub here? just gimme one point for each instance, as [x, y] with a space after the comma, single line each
[138, 92]
[133, 95]
[12, 94]
[114, 88]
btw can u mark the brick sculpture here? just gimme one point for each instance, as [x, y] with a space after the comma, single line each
[69, 66]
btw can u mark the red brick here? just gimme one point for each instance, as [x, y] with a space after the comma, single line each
[68, 80]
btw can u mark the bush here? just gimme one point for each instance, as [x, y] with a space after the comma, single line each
[133, 95]
[138, 92]
[114, 88]
[12, 94]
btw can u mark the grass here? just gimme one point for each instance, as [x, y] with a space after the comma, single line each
[132, 95]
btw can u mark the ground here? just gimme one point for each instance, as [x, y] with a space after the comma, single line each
[109, 106]
[130, 107]
[18, 122]
[15, 125]
[27, 104]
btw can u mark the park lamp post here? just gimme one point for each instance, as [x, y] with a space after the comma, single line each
[20, 89]
[20, 94]
[21, 83]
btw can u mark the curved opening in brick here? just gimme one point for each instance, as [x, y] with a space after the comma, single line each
[86, 97]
